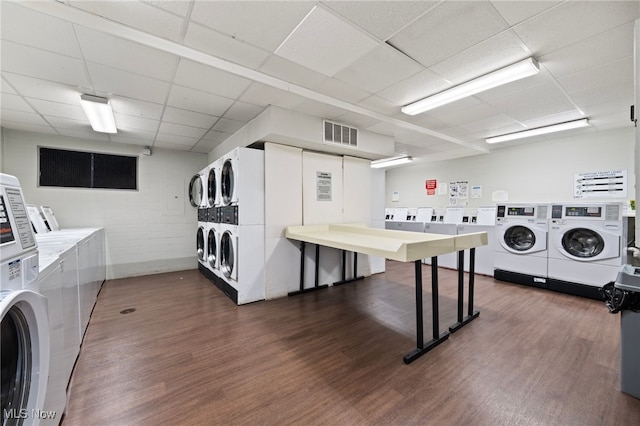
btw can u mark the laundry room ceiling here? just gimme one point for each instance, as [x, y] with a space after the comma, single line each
[186, 75]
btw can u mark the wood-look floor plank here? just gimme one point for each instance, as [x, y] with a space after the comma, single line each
[189, 356]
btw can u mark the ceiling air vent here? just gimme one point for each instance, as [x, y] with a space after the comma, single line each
[340, 134]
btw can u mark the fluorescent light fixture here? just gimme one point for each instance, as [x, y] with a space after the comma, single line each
[393, 161]
[505, 75]
[99, 113]
[583, 122]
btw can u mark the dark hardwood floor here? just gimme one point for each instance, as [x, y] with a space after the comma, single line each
[189, 356]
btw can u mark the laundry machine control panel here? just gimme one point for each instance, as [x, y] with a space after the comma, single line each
[202, 215]
[229, 215]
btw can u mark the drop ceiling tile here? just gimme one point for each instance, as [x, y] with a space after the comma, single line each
[174, 141]
[127, 84]
[461, 115]
[208, 79]
[492, 124]
[325, 43]
[609, 46]
[246, 20]
[515, 12]
[228, 126]
[135, 107]
[380, 18]
[205, 146]
[197, 101]
[26, 126]
[31, 28]
[15, 102]
[616, 94]
[43, 89]
[223, 46]
[5, 87]
[126, 55]
[341, 90]
[489, 55]
[58, 109]
[611, 74]
[242, 111]
[175, 129]
[418, 86]
[534, 103]
[124, 137]
[177, 7]
[382, 67]
[263, 95]
[30, 118]
[42, 64]
[542, 78]
[139, 15]
[189, 118]
[448, 29]
[88, 134]
[216, 136]
[69, 124]
[291, 72]
[130, 122]
[571, 22]
[380, 105]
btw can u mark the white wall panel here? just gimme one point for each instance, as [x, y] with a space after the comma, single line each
[356, 174]
[321, 211]
[147, 231]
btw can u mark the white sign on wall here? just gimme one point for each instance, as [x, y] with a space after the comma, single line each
[607, 184]
[323, 181]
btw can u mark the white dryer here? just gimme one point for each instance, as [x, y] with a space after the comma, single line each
[521, 246]
[587, 246]
[25, 334]
[213, 185]
[412, 221]
[242, 261]
[242, 184]
[481, 220]
[212, 258]
[197, 189]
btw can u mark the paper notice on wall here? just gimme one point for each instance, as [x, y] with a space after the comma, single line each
[395, 196]
[476, 191]
[459, 190]
[323, 182]
[431, 185]
[608, 184]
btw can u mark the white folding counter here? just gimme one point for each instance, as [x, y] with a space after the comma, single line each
[402, 246]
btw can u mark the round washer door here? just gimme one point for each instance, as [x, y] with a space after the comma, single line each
[195, 191]
[212, 188]
[25, 354]
[200, 244]
[212, 249]
[582, 243]
[522, 239]
[227, 182]
[227, 254]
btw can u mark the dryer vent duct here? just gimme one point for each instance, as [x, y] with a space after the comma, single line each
[340, 134]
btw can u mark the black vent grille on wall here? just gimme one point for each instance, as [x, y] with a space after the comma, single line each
[340, 134]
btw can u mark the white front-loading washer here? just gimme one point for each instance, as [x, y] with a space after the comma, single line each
[415, 222]
[481, 220]
[242, 261]
[25, 329]
[587, 246]
[521, 246]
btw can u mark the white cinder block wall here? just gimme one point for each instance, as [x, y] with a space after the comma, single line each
[147, 231]
[538, 171]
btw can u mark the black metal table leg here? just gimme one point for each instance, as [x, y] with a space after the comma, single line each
[471, 314]
[316, 275]
[344, 269]
[438, 338]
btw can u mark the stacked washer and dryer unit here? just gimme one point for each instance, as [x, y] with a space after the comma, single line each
[230, 235]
